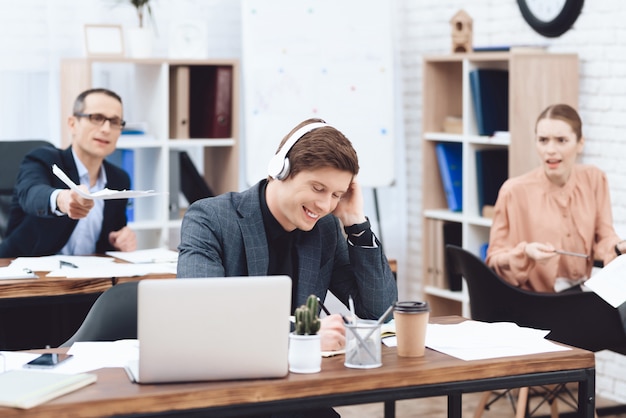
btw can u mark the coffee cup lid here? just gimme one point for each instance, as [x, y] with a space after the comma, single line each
[411, 307]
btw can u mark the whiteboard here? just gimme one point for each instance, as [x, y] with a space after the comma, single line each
[330, 59]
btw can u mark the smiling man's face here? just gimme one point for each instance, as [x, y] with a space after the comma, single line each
[301, 200]
[90, 140]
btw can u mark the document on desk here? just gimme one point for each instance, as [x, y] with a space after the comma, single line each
[475, 340]
[114, 270]
[87, 356]
[102, 194]
[62, 262]
[152, 255]
[16, 272]
[609, 283]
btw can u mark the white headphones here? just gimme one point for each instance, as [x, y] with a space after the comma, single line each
[278, 168]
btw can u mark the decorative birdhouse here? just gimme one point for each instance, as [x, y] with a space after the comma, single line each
[461, 28]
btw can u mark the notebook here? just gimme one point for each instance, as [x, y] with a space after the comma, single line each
[212, 329]
[25, 389]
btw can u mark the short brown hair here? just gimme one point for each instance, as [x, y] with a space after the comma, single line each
[567, 114]
[321, 147]
[79, 103]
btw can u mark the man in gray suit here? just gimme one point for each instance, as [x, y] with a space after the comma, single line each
[306, 220]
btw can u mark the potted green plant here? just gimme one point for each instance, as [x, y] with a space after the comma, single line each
[143, 8]
[305, 352]
[140, 38]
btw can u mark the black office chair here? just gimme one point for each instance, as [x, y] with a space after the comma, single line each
[11, 155]
[579, 319]
[112, 317]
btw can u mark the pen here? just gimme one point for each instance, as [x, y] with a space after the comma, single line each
[327, 312]
[63, 263]
[571, 253]
[351, 305]
[379, 322]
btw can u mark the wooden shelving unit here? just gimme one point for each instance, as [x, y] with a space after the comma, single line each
[150, 96]
[536, 80]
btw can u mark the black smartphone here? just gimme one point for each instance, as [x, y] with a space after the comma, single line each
[48, 360]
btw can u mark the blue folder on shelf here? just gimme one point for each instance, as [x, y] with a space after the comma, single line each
[450, 159]
[490, 96]
[125, 159]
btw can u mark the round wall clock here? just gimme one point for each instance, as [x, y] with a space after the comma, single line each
[188, 39]
[550, 18]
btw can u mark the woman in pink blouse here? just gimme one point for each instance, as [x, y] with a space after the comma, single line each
[559, 206]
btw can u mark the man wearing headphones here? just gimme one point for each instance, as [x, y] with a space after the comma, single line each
[293, 223]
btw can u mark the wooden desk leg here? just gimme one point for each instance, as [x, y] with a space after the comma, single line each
[454, 405]
[390, 409]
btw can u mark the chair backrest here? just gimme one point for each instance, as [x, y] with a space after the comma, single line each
[579, 319]
[112, 317]
[11, 155]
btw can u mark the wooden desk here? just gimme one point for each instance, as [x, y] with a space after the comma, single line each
[60, 286]
[435, 374]
[48, 310]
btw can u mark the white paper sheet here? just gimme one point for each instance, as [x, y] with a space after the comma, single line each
[114, 270]
[16, 272]
[475, 340]
[154, 255]
[53, 262]
[610, 282]
[87, 356]
[102, 194]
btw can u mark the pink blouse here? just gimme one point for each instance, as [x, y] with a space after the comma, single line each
[576, 217]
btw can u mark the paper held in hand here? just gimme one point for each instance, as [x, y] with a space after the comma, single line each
[102, 194]
[609, 283]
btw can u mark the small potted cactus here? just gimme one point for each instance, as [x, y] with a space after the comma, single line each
[305, 353]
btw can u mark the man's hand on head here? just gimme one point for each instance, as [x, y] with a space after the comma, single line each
[349, 210]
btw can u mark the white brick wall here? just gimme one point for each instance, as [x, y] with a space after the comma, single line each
[598, 38]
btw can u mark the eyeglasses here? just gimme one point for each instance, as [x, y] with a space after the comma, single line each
[99, 119]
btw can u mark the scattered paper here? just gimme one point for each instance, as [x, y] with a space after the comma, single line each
[87, 356]
[16, 272]
[154, 255]
[55, 262]
[102, 194]
[609, 283]
[475, 340]
[114, 270]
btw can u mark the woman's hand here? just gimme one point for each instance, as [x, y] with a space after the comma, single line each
[540, 252]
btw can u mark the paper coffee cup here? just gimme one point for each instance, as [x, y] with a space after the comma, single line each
[411, 319]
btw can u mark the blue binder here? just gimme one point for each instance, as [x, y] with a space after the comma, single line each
[125, 159]
[490, 96]
[492, 169]
[450, 159]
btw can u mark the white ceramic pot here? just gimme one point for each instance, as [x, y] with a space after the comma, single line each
[305, 353]
[139, 42]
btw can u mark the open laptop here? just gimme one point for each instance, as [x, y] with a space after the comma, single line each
[212, 329]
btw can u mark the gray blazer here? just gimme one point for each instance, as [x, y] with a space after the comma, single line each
[225, 236]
